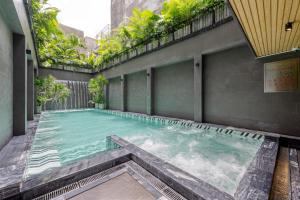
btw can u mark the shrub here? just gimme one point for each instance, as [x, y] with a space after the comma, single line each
[48, 89]
[96, 89]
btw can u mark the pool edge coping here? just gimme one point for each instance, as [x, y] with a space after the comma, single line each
[150, 162]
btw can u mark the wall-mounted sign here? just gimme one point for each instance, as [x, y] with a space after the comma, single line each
[282, 76]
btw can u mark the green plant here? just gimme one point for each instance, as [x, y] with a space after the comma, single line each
[176, 11]
[143, 25]
[54, 47]
[48, 89]
[96, 88]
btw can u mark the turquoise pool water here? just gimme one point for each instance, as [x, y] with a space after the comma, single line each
[219, 159]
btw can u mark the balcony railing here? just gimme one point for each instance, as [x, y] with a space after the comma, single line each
[203, 22]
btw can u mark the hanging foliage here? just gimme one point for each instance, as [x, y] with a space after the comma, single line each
[143, 25]
[54, 48]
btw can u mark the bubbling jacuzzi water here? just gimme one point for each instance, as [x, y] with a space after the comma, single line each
[219, 159]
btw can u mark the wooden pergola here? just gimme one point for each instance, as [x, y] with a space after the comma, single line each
[271, 26]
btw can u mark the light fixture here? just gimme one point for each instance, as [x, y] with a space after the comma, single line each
[289, 26]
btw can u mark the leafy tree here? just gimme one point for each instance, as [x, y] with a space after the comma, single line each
[108, 47]
[56, 48]
[53, 46]
[96, 88]
[49, 90]
[143, 25]
[175, 12]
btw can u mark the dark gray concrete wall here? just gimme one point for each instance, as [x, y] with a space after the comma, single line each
[65, 75]
[234, 95]
[115, 94]
[174, 90]
[136, 92]
[6, 83]
[223, 37]
[13, 20]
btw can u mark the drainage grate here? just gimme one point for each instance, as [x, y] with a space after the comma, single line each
[100, 175]
[58, 192]
[171, 194]
[161, 187]
[156, 183]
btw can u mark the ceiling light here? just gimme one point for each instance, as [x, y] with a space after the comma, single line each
[289, 26]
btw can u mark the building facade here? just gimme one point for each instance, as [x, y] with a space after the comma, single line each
[121, 10]
[90, 43]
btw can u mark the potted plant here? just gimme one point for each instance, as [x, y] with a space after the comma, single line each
[96, 89]
[47, 89]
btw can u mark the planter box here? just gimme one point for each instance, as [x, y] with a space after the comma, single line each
[99, 105]
[39, 109]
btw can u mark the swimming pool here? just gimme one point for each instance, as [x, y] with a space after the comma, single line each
[219, 159]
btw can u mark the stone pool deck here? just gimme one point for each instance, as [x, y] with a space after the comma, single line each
[13, 161]
[157, 179]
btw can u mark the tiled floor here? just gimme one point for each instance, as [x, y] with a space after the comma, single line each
[121, 187]
[13, 160]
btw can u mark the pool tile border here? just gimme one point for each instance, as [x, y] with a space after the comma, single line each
[190, 124]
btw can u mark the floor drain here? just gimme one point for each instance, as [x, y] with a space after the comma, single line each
[58, 192]
[160, 186]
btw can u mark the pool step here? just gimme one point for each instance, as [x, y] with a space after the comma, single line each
[41, 160]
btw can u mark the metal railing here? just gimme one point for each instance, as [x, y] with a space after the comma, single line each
[203, 22]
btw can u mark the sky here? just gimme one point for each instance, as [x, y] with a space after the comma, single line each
[89, 16]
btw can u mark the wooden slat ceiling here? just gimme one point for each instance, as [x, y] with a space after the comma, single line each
[263, 22]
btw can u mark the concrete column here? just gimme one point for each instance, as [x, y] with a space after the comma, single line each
[123, 93]
[149, 91]
[30, 90]
[34, 91]
[198, 85]
[20, 85]
[106, 95]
